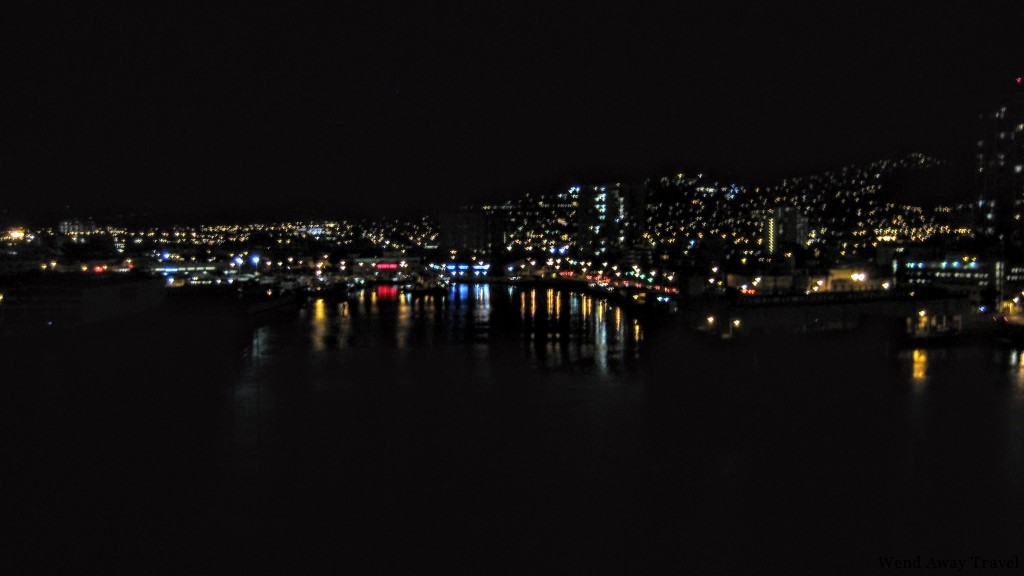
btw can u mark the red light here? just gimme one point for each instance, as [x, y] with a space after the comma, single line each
[1020, 80]
[97, 269]
[385, 293]
[387, 266]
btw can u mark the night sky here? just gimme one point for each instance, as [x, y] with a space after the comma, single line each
[192, 111]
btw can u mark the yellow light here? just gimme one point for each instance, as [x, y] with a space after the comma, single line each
[922, 313]
[711, 319]
[920, 364]
[736, 323]
[16, 234]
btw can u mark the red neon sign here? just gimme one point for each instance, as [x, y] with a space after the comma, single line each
[387, 266]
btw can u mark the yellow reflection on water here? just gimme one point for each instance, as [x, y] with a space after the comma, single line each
[920, 365]
[403, 321]
[1017, 367]
[319, 324]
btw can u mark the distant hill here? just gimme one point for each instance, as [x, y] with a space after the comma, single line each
[939, 183]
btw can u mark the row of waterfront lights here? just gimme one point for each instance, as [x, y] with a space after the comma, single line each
[480, 269]
[953, 264]
[735, 322]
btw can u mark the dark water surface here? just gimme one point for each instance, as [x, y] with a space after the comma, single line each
[504, 431]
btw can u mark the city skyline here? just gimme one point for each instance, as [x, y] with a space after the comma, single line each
[394, 112]
[376, 287]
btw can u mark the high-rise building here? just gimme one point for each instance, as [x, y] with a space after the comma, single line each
[784, 227]
[609, 219]
[600, 210]
[76, 226]
[1000, 169]
[469, 232]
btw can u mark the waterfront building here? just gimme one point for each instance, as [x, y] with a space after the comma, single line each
[979, 279]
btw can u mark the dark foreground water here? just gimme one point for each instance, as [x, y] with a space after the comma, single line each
[502, 431]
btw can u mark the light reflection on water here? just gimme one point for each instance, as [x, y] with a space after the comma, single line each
[920, 367]
[500, 410]
[485, 332]
[493, 382]
[551, 328]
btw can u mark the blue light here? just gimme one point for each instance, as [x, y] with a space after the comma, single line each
[255, 259]
[165, 256]
[463, 266]
[238, 261]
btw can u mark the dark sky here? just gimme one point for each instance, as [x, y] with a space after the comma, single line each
[190, 110]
